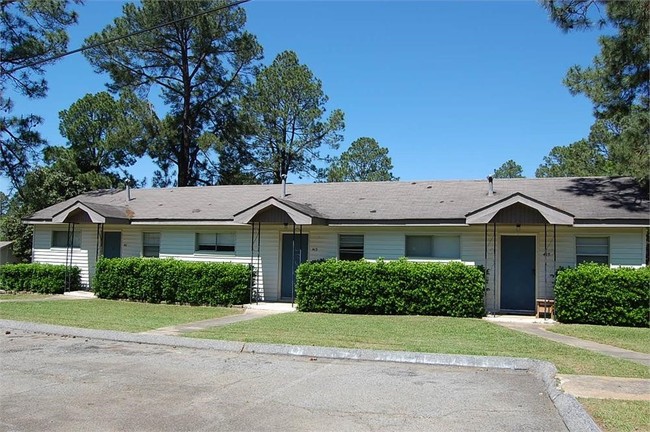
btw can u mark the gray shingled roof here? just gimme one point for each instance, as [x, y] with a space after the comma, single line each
[586, 198]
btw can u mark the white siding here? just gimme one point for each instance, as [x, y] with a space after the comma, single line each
[388, 245]
[627, 247]
[323, 243]
[270, 255]
[131, 240]
[44, 253]
[179, 243]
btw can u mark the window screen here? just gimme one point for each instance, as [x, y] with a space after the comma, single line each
[592, 249]
[439, 247]
[446, 247]
[350, 247]
[226, 242]
[418, 246]
[151, 244]
[221, 242]
[60, 239]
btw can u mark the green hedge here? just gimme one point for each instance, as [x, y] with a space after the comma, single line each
[38, 278]
[390, 288]
[597, 294]
[172, 281]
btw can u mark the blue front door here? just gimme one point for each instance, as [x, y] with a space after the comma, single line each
[294, 252]
[518, 273]
[112, 244]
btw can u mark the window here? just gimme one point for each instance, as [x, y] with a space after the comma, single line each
[438, 247]
[151, 244]
[211, 242]
[419, 246]
[350, 247]
[446, 247]
[592, 249]
[60, 239]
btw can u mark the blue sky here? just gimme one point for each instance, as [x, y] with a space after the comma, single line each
[453, 89]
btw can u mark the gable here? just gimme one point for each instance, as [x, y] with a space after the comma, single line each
[518, 213]
[519, 208]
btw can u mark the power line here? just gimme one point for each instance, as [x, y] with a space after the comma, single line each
[106, 42]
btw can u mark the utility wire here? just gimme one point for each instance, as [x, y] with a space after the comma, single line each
[106, 42]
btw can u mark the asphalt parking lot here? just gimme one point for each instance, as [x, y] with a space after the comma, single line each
[60, 383]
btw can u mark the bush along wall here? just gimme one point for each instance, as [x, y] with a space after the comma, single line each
[597, 294]
[390, 288]
[172, 281]
[38, 278]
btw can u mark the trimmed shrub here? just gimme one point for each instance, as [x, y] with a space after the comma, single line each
[390, 288]
[172, 281]
[597, 294]
[38, 278]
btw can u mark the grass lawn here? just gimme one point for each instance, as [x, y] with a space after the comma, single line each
[618, 415]
[632, 338]
[424, 334]
[109, 314]
[24, 296]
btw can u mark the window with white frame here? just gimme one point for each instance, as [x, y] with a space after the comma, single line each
[60, 239]
[350, 247]
[437, 247]
[151, 244]
[215, 242]
[592, 249]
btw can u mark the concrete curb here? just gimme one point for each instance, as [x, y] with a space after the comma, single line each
[573, 414]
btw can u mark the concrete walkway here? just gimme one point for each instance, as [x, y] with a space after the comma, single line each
[537, 329]
[600, 387]
[70, 295]
[587, 386]
[251, 312]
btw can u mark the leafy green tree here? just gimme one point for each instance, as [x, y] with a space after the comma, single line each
[105, 134]
[580, 159]
[31, 31]
[285, 107]
[617, 81]
[200, 66]
[4, 203]
[509, 169]
[365, 160]
[41, 188]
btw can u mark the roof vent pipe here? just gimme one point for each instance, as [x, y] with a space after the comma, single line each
[490, 186]
[284, 185]
[128, 192]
